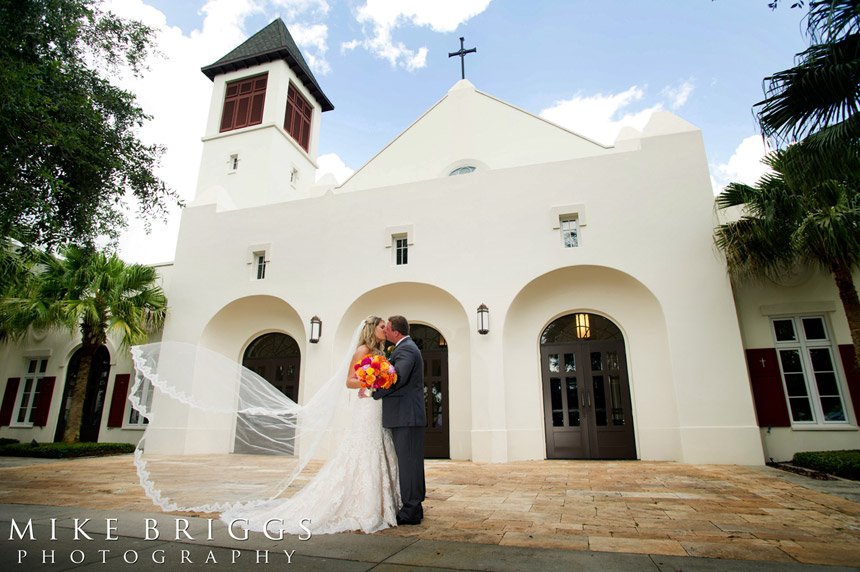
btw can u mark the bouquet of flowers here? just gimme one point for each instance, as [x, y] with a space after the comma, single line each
[375, 372]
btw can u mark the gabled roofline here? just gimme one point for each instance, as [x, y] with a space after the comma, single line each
[435, 105]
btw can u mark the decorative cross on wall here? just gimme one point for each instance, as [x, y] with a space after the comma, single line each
[462, 53]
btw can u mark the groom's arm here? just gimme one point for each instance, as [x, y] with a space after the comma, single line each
[406, 362]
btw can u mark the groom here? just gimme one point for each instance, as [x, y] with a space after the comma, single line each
[403, 413]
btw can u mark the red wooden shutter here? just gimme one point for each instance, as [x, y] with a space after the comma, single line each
[257, 108]
[9, 396]
[766, 381]
[852, 375]
[42, 405]
[227, 115]
[117, 400]
[298, 118]
[243, 103]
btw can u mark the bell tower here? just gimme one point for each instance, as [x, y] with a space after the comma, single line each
[262, 132]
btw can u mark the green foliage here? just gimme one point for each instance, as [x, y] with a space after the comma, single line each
[807, 211]
[65, 450]
[818, 98]
[845, 464]
[89, 290]
[68, 137]
[6, 441]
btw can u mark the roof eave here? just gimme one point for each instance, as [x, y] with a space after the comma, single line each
[218, 68]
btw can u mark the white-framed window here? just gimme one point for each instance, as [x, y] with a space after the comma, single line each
[260, 262]
[569, 227]
[808, 363]
[135, 419]
[25, 405]
[400, 245]
[568, 221]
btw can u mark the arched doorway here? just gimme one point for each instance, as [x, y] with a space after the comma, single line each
[94, 401]
[586, 390]
[276, 358]
[434, 352]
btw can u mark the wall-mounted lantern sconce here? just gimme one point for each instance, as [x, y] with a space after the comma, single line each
[316, 329]
[483, 319]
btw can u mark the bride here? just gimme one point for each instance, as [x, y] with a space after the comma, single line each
[356, 489]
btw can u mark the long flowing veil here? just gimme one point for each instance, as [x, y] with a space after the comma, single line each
[218, 435]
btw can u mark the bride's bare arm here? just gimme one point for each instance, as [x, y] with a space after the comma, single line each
[352, 380]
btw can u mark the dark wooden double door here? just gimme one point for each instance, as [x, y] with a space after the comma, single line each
[94, 401]
[588, 414]
[436, 435]
[276, 358]
[434, 353]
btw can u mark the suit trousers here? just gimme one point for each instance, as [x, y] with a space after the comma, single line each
[409, 446]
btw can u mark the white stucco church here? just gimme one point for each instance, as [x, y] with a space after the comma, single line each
[567, 296]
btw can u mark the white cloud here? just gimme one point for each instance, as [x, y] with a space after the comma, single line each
[291, 10]
[744, 166]
[597, 116]
[678, 96]
[384, 16]
[312, 41]
[331, 163]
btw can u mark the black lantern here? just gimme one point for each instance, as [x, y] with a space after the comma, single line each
[316, 329]
[483, 319]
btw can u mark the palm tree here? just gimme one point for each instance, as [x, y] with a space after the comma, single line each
[807, 211]
[820, 96]
[93, 292]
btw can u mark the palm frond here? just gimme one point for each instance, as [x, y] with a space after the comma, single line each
[829, 19]
[807, 210]
[819, 91]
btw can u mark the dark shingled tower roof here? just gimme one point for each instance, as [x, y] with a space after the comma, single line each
[273, 42]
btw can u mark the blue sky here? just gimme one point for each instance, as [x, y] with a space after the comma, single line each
[591, 66]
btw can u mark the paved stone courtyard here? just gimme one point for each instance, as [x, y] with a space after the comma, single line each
[716, 511]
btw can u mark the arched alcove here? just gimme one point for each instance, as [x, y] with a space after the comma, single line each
[436, 316]
[627, 304]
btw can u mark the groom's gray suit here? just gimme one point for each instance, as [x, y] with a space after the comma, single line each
[403, 413]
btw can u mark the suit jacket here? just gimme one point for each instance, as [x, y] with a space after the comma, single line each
[403, 403]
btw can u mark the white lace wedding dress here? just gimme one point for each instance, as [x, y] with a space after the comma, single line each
[357, 489]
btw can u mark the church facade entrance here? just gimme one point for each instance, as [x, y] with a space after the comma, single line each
[586, 391]
[276, 358]
[94, 401]
[434, 351]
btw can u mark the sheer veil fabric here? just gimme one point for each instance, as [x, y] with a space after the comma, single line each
[221, 439]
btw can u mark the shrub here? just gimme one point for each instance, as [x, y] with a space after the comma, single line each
[64, 450]
[7, 441]
[845, 464]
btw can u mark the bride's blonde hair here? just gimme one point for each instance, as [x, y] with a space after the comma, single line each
[367, 336]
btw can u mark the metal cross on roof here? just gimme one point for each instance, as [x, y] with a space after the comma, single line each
[462, 53]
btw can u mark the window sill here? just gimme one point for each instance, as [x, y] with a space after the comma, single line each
[825, 428]
[21, 426]
[134, 427]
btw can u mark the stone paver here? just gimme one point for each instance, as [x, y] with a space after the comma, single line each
[658, 508]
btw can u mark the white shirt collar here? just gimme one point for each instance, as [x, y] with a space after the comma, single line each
[400, 340]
